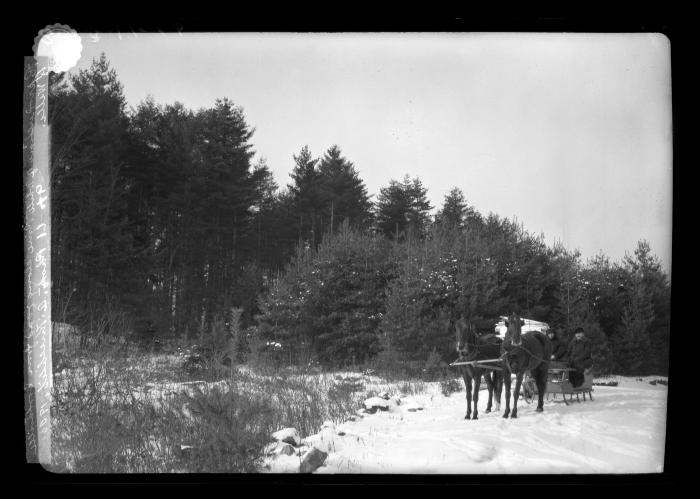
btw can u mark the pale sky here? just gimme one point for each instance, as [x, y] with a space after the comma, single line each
[570, 133]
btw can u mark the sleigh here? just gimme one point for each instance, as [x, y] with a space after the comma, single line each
[558, 383]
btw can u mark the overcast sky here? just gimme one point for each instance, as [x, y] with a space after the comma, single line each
[570, 133]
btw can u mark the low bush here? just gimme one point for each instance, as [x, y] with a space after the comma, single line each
[450, 386]
[110, 417]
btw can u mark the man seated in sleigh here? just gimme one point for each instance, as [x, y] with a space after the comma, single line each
[579, 356]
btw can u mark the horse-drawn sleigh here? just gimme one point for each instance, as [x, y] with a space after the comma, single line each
[524, 355]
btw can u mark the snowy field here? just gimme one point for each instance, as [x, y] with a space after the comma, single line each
[621, 431]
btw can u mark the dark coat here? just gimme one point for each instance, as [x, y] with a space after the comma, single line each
[579, 354]
[558, 349]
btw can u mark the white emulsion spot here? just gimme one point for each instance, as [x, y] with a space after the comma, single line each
[62, 49]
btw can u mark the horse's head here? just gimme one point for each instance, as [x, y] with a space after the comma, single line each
[513, 334]
[466, 337]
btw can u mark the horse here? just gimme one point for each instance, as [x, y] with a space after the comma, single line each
[472, 347]
[524, 352]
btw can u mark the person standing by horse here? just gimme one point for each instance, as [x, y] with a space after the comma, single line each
[579, 357]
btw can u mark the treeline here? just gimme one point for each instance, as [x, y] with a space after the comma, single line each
[162, 225]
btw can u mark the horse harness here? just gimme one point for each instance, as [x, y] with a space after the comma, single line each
[473, 354]
[519, 345]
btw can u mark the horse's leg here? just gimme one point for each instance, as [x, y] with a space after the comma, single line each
[506, 382]
[541, 379]
[498, 387]
[489, 387]
[468, 384]
[477, 386]
[516, 393]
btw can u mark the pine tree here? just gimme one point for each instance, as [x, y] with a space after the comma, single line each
[330, 299]
[345, 195]
[403, 208]
[273, 231]
[647, 267]
[308, 195]
[571, 304]
[633, 340]
[223, 228]
[95, 256]
[353, 269]
[454, 209]
[640, 348]
[279, 228]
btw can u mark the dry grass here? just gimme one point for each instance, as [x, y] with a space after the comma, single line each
[127, 412]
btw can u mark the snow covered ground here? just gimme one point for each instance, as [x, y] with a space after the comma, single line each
[621, 431]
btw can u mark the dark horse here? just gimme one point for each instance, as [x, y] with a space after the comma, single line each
[470, 346]
[527, 352]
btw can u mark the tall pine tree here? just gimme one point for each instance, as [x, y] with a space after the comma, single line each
[403, 207]
[344, 193]
[454, 209]
[95, 255]
[308, 195]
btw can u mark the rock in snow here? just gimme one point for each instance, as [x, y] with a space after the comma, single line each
[312, 460]
[377, 403]
[288, 435]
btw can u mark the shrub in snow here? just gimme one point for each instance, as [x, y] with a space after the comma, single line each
[435, 368]
[108, 429]
[450, 386]
[109, 407]
[345, 388]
